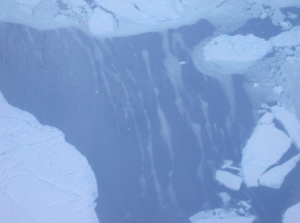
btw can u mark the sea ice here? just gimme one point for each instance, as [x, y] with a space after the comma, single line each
[287, 39]
[289, 122]
[275, 176]
[292, 214]
[42, 177]
[138, 16]
[224, 54]
[265, 147]
[228, 179]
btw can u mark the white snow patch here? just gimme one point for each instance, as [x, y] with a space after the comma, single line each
[275, 177]
[265, 147]
[42, 177]
[292, 214]
[229, 180]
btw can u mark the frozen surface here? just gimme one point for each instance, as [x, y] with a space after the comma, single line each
[228, 179]
[265, 147]
[136, 16]
[226, 54]
[275, 176]
[290, 123]
[287, 39]
[42, 177]
[292, 214]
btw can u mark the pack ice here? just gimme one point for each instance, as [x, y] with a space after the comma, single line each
[42, 177]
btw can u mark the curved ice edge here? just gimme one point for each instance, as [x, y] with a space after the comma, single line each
[42, 177]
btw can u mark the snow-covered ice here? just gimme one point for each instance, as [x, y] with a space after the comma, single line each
[42, 177]
[228, 179]
[276, 176]
[287, 39]
[137, 16]
[224, 54]
[289, 122]
[292, 214]
[265, 147]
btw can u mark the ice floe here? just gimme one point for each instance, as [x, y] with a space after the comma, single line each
[287, 39]
[275, 176]
[228, 179]
[42, 177]
[265, 147]
[292, 214]
[224, 54]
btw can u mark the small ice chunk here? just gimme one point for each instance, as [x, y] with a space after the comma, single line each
[292, 16]
[221, 216]
[225, 197]
[292, 214]
[227, 163]
[285, 25]
[275, 177]
[263, 15]
[278, 89]
[229, 180]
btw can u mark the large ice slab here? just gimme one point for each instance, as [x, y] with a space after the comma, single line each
[42, 177]
[265, 147]
[226, 54]
[275, 176]
[119, 17]
[228, 179]
[292, 214]
[289, 122]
